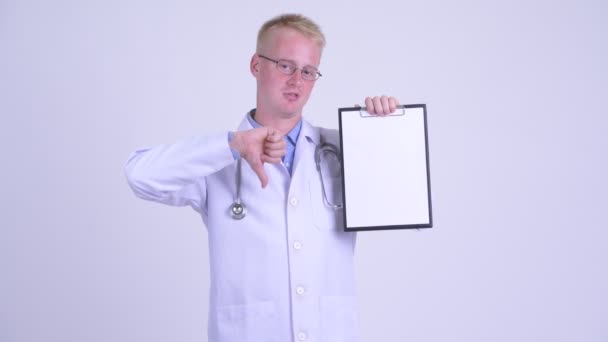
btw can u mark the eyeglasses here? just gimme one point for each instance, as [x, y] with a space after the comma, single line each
[288, 68]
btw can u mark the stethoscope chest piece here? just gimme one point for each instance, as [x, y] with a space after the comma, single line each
[238, 210]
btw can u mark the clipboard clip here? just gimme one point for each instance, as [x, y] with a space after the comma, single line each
[364, 114]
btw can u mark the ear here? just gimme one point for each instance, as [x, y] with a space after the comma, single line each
[254, 65]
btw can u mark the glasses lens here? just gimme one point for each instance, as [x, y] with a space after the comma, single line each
[286, 67]
[310, 74]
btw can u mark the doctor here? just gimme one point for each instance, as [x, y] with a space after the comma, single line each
[284, 271]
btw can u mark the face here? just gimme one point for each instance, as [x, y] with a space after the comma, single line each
[280, 95]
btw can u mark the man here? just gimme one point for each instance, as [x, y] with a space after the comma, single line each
[284, 271]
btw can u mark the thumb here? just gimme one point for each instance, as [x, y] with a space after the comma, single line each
[258, 168]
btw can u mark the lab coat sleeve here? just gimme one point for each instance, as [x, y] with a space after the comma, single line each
[175, 174]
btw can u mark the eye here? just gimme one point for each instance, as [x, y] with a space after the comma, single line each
[309, 73]
[285, 67]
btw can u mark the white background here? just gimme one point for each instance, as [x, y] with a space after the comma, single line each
[516, 95]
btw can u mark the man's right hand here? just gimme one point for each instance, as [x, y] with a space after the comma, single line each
[258, 146]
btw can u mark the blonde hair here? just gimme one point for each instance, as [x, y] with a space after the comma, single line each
[296, 22]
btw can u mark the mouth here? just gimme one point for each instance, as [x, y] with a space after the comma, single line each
[291, 96]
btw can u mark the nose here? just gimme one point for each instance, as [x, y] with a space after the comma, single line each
[295, 78]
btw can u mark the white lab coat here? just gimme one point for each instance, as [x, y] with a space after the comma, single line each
[283, 273]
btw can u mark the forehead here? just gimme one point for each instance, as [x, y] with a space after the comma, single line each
[287, 43]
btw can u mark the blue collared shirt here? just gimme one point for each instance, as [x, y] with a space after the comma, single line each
[291, 138]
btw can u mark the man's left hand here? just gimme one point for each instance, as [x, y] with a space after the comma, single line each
[381, 105]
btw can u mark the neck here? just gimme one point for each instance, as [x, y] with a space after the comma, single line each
[284, 124]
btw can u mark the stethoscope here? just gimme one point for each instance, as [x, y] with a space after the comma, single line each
[238, 210]
[321, 150]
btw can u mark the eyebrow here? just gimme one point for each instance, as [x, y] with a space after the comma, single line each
[294, 62]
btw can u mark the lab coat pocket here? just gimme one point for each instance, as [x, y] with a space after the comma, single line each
[323, 215]
[252, 322]
[339, 319]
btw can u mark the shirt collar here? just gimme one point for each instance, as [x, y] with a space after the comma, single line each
[292, 136]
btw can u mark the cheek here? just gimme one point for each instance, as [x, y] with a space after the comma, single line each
[269, 82]
[308, 88]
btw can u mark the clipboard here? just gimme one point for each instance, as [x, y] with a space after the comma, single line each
[385, 169]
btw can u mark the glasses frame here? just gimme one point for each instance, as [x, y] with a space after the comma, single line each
[276, 62]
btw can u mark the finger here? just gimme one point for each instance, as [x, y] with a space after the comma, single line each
[392, 103]
[369, 104]
[270, 160]
[385, 105]
[275, 149]
[258, 168]
[274, 136]
[281, 144]
[377, 106]
[275, 153]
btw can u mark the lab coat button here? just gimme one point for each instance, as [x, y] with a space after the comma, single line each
[293, 201]
[297, 245]
[300, 290]
[302, 336]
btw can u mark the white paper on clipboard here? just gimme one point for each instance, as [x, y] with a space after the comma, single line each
[385, 168]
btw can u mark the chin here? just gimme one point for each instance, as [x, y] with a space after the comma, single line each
[291, 111]
[290, 114]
